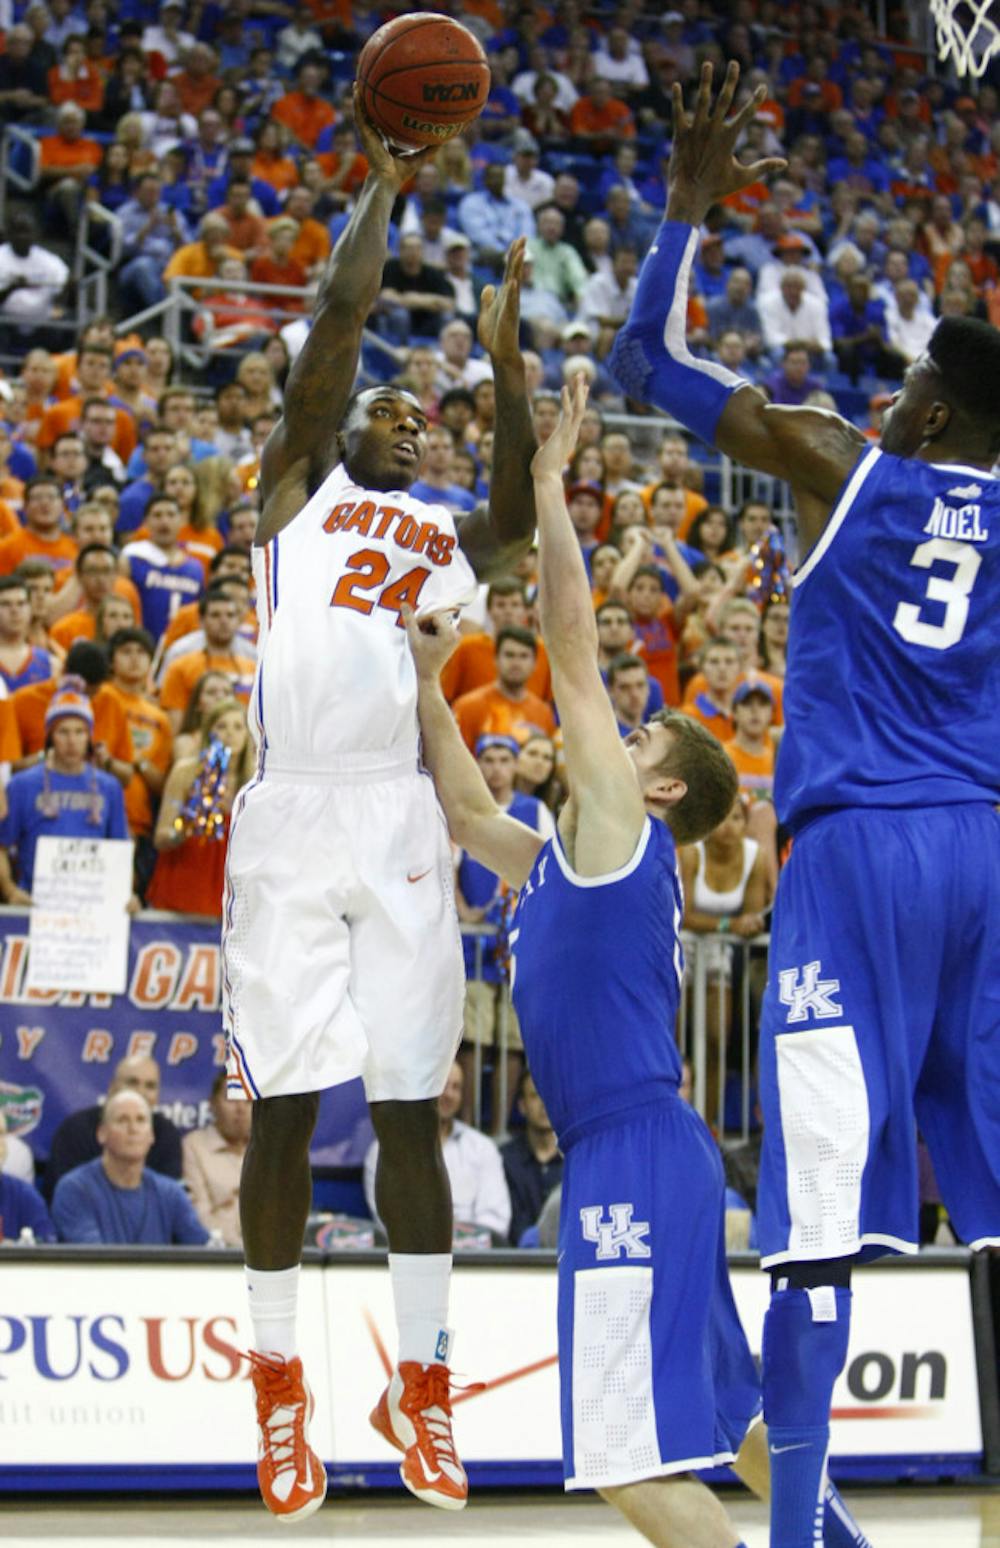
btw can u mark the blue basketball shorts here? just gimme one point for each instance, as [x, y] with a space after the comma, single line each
[882, 1016]
[656, 1375]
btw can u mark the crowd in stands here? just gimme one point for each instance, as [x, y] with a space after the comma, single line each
[220, 137]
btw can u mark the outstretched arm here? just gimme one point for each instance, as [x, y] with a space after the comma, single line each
[303, 447]
[506, 846]
[813, 448]
[494, 539]
[608, 807]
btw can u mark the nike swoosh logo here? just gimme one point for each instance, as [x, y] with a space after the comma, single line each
[776, 1451]
[419, 876]
[430, 1477]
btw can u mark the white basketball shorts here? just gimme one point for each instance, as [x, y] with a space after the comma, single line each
[341, 954]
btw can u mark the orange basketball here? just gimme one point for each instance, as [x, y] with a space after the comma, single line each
[421, 78]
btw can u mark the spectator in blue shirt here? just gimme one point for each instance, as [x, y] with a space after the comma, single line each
[793, 381]
[151, 231]
[65, 795]
[116, 1198]
[860, 333]
[238, 166]
[857, 168]
[492, 221]
[21, 1205]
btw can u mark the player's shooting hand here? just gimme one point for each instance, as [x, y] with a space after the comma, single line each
[500, 310]
[394, 169]
[432, 640]
[703, 168]
[550, 459]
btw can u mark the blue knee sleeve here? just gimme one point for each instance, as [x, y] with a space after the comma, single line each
[804, 1349]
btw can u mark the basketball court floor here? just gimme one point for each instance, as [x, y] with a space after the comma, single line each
[905, 1517]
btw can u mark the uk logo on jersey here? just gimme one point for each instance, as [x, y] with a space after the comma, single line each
[619, 1234]
[807, 994]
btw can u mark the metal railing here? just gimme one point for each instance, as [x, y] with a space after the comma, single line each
[18, 145]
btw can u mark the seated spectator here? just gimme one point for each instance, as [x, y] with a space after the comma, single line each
[735, 308]
[789, 314]
[16, 1159]
[67, 160]
[76, 79]
[910, 324]
[606, 302]
[794, 379]
[311, 247]
[233, 318]
[221, 619]
[246, 228]
[72, 787]
[482, 898]
[190, 868]
[21, 662]
[436, 484]
[343, 168]
[213, 1160]
[117, 1198]
[523, 178]
[640, 585]
[726, 892]
[96, 578]
[75, 1140]
[543, 117]
[751, 747]
[276, 266]
[479, 1194]
[31, 278]
[532, 1160]
[24, 95]
[492, 220]
[861, 335]
[506, 707]
[203, 258]
[415, 297]
[473, 662]
[599, 119]
[160, 568]
[456, 368]
[198, 82]
[271, 163]
[22, 1208]
[152, 231]
[303, 111]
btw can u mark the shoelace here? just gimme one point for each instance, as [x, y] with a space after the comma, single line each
[429, 1399]
[280, 1413]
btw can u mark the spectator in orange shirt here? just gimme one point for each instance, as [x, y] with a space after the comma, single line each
[220, 618]
[231, 318]
[752, 751]
[94, 376]
[197, 83]
[271, 164]
[202, 259]
[506, 707]
[276, 266]
[739, 622]
[39, 378]
[39, 577]
[312, 245]
[130, 655]
[43, 535]
[247, 230]
[66, 161]
[75, 78]
[114, 613]
[113, 750]
[303, 111]
[75, 608]
[344, 168]
[599, 121]
[474, 662]
[190, 867]
[207, 694]
[675, 468]
[712, 704]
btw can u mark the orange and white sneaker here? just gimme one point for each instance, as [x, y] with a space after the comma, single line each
[414, 1415]
[291, 1477]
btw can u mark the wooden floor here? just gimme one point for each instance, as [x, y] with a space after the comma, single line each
[908, 1517]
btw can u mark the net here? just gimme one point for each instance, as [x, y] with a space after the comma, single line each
[966, 34]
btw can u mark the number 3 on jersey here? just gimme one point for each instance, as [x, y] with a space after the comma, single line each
[369, 568]
[953, 590]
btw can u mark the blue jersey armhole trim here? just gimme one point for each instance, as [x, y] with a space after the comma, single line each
[838, 515]
[610, 876]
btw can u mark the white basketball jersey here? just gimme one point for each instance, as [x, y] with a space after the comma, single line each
[334, 675]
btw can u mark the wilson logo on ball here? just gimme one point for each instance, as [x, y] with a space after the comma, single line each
[459, 91]
[440, 131]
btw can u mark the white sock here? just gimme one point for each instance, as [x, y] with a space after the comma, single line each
[420, 1285]
[274, 1298]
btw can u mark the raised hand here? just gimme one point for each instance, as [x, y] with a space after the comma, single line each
[703, 168]
[500, 310]
[431, 640]
[388, 167]
[558, 449]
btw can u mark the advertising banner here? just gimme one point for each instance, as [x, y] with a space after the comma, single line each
[137, 1365]
[58, 1048]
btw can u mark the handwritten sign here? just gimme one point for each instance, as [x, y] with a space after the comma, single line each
[78, 934]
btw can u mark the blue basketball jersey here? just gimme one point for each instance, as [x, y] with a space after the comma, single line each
[596, 975]
[162, 587]
[893, 687]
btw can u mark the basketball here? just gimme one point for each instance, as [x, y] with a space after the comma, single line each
[422, 78]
